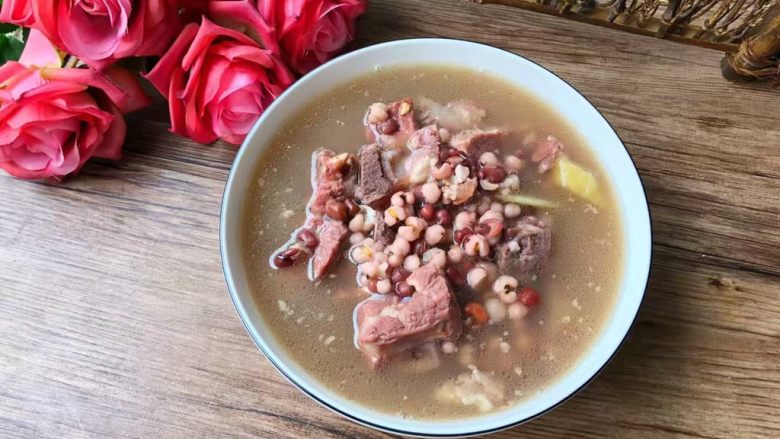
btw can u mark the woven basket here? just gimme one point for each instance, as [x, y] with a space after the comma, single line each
[747, 30]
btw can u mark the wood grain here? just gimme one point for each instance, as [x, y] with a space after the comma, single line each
[115, 320]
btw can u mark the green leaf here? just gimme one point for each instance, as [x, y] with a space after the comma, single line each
[7, 27]
[3, 47]
[11, 45]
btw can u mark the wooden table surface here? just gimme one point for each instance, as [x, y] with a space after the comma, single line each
[115, 320]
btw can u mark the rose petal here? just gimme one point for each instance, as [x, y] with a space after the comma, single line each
[135, 97]
[18, 12]
[245, 17]
[161, 74]
[93, 36]
[32, 161]
[114, 137]
[39, 51]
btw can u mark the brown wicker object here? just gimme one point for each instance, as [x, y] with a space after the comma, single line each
[747, 30]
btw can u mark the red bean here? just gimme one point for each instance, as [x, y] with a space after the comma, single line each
[456, 275]
[388, 127]
[528, 296]
[495, 227]
[352, 207]
[482, 229]
[281, 261]
[336, 210]
[372, 284]
[458, 153]
[444, 217]
[493, 174]
[399, 275]
[417, 192]
[453, 157]
[287, 258]
[462, 234]
[427, 212]
[403, 289]
[419, 247]
[444, 153]
[308, 239]
[455, 160]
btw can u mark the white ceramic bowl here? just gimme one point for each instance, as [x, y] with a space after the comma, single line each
[516, 70]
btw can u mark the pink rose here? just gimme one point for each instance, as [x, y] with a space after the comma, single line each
[53, 119]
[243, 16]
[218, 81]
[100, 32]
[18, 12]
[311, 32]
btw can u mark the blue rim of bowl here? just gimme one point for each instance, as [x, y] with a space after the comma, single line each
[384, 428]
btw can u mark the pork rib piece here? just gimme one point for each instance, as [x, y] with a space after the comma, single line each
[333, 177]
[527, 250]
[387, 326]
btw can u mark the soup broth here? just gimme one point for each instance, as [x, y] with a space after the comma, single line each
[517, 356]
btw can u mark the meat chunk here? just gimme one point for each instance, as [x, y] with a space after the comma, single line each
[458, 192]
[418, 166]
[427, 139]
[546, 152]
[331, 236]
[332, 177]
[382, 232]
[527, 250]
[455, 116]
[477, 388]
[476, 141]
[396, 129]
[403, 113]
[374, 186]
[388, 326]
[388, 157]
[324, 190]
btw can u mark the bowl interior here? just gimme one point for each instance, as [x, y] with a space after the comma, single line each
[516, 70]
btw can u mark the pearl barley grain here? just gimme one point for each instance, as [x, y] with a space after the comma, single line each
[513, 163]
[448, 347]
[477, 245]
[477, 278]
[517, 311]
[434, 234]
[431, 192]
[356, 238]
[384, 286]
[488, 159]
[455, 254]
[412, 262]
[512, 210]
[377, 112]
[495, 309]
